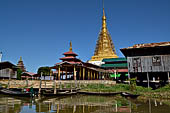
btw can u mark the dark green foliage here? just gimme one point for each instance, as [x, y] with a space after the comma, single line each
[45, 71]
[19, 72]
[164, 89]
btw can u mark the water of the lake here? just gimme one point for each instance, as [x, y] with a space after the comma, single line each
[82, 104]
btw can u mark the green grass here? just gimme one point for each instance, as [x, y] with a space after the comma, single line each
[114, 88]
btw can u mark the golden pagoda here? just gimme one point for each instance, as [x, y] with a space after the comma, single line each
[104, 47]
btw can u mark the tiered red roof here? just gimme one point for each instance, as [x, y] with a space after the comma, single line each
[70, 57]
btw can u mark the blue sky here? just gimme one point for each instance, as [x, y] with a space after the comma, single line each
[40, 30]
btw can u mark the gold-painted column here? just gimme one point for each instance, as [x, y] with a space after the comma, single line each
[91, 74]
[94, 75]
[59, 72]
[74, 72]
[83, 73]
[88, 74]
[80, 74]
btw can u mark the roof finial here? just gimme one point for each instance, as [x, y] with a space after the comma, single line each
[103, 9]
[20, 58]
[104, 20]
[70, 46]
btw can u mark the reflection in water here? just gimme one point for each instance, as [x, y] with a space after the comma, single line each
[81, 104]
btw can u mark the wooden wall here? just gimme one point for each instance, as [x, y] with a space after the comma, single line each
[6, 73]
[156, 63]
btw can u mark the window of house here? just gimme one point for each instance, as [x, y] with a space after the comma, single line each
[136, 62]
[156, 61]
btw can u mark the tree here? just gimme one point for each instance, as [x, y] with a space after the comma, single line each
[45, 71]
[19, 72]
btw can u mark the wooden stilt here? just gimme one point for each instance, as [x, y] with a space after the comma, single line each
[168, 78]
[148, 78]
[129, 77]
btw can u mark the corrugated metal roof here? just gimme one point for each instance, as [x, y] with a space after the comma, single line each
[149, 45]
[114, 59]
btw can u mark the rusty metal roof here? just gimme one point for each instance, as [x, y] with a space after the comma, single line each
[148, 45]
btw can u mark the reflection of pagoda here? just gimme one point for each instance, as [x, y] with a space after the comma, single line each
[21, 65]
[104, 47]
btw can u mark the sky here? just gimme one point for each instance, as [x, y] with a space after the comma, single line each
[40, 30]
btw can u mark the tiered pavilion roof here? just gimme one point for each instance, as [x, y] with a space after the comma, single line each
[75, 69]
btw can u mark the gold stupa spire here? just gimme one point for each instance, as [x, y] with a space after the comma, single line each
[70, 49]
[104, 47]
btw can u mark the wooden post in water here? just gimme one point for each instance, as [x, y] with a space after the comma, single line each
[55, 86]
[39, 92]
[129, 77]
[71, 87]
[9, 79]
[148, 78]
[60, 85]
[55, 79]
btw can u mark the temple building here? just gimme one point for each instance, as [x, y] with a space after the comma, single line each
[118, 68]
[104, 47]
[21, 65]
[72, 68]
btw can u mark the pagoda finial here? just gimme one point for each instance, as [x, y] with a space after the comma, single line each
[104, 28]
[103, 9]
[20, 58]
[70, 46]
